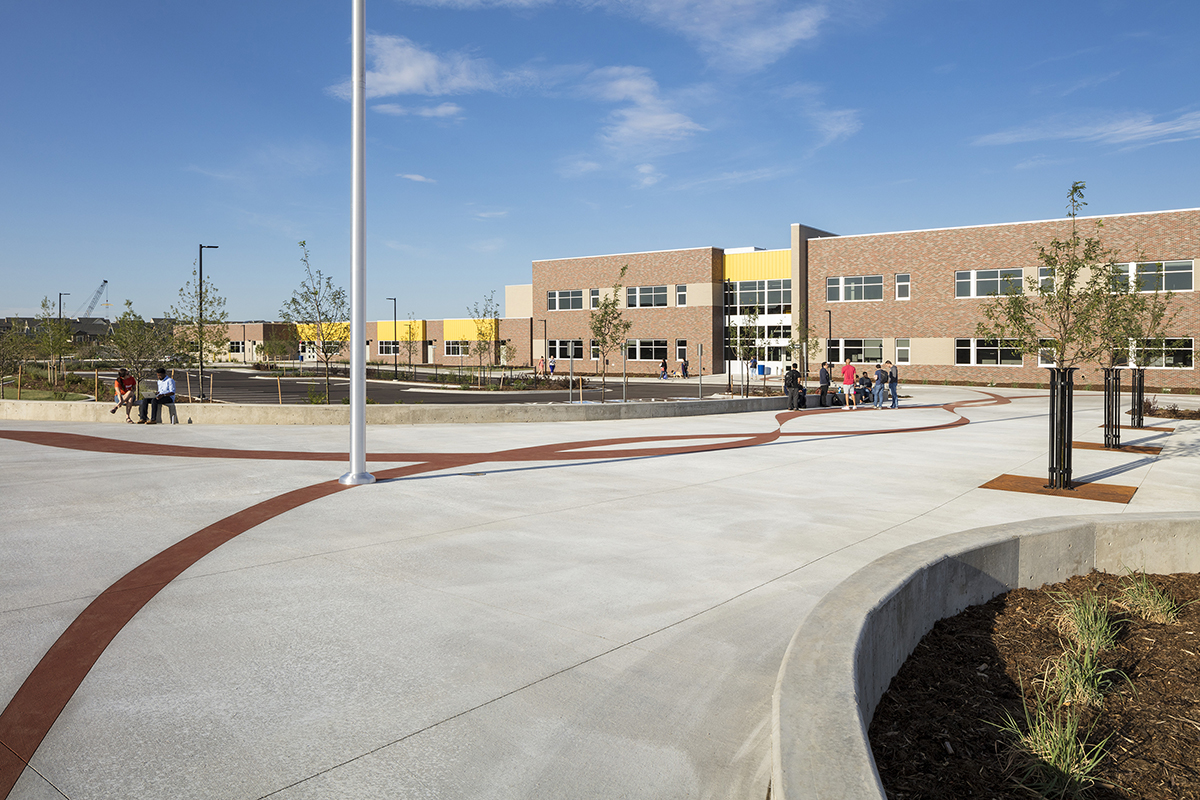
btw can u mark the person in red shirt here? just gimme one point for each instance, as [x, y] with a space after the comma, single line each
[124, 392]
[848, 378]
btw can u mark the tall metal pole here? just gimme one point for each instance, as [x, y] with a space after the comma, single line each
[358, 474]
[700, 389]
[200, 314]
[395, 343]
[60, 297]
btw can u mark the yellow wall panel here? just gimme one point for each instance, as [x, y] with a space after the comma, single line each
[334, 331]
[760, 265]
[465, 330]
[385, 333]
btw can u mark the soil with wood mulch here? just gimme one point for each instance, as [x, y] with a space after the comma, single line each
[931, 735]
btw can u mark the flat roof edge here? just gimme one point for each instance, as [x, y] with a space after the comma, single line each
[636, 253]
[1002, 224]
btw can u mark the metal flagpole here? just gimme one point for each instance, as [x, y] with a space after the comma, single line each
[358, 474]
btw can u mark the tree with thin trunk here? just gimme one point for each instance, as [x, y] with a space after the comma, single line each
[608, 328]
[279, 342]
[138, 345]
[52, 335]
[201, 324]
[1068, 312]
[16, 348]
[487, 334]
[321, 314]
[410, 341]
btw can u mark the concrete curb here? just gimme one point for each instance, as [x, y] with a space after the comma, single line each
[848, 649]
[424, 414]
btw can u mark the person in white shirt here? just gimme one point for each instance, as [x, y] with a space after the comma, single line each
[164, 395]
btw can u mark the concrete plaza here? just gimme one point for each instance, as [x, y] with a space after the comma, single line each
[558, 609]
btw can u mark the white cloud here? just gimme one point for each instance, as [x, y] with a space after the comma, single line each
[738, 35]
[648, 175]
[1134, 130]
[417, 178]
[648, 119]
[832, 124]
[438, 111]
[491, 214]
[737, 177]
[579, 166]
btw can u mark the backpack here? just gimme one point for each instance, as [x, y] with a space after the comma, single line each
[789, 379]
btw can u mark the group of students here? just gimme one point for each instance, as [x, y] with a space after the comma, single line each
[886, 381]
[125, 393]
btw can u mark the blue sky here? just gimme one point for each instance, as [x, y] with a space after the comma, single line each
[503, 131]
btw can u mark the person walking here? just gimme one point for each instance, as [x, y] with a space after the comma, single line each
[662, 369]
[893, 383]
[880, 388]
[541, 368]
[823, 380]
[848, 380]
[791, 383]
[551, 368]
[683, 367]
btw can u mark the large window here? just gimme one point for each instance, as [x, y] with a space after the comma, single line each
[237, 346]
[1163, 353]
[987, 282]
[854, 288]
[564, 300]
[565, 348]
[458, 348]
[646, 296]
[1156, 276]
[646, 349]
[987, 353]
[859, 351]
[759, 297]
[387, 348]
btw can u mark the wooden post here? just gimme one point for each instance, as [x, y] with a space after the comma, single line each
[188, 375]
[210, 387]
[96, 374]
[279, 388]
[19, 366]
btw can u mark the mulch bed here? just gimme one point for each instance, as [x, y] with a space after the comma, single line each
[931, 737]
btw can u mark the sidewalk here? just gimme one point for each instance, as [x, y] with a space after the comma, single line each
[560, 609]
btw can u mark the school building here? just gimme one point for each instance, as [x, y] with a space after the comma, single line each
[912, 297]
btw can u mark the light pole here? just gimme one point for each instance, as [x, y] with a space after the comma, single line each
[358, 474]
[395, 343]
[200, 314]
[61, 295]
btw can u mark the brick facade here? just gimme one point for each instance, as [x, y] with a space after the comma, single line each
[697, 322]
[936, 317]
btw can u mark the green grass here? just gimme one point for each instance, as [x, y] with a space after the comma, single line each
[1053, 759]
[1077, 678]
[1086, 621]
[1143, 599]
[10, 393]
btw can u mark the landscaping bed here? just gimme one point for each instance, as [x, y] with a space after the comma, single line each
[940, 730]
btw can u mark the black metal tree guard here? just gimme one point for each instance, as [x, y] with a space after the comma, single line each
[1137, 398]
[1112, 407]
[1062, 390]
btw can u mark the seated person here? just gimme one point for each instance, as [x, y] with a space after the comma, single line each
[164, 395]
[124, 392]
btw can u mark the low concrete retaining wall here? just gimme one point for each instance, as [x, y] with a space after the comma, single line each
[846, 652]
[423, 414]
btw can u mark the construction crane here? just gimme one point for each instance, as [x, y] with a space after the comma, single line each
[91, 306]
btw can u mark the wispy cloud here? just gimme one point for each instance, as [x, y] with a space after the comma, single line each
[831, 124]
[1064, 89]
[439, 111]
[417, 178]
[738, 35]
[647, 120]
[491, 214]
[1037, 162]
[734, 178]
[1136, 130]
[647, 175]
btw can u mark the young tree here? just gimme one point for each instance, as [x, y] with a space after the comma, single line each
[749, 342]
[1069, 312]
[137, 344]
[487, 333]
[52, 335]
[609, 328]
[15, 348]
[803, 346]
[279, 342]
[411, 341]
[320, 312]
[201, 324]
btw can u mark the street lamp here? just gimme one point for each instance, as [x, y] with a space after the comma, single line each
[61, 295]
[395, 343]
[200, 314]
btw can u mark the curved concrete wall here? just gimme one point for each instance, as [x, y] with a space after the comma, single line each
[846, 652]
[423, 414]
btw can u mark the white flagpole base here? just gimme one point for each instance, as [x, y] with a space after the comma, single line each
[356, 479]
